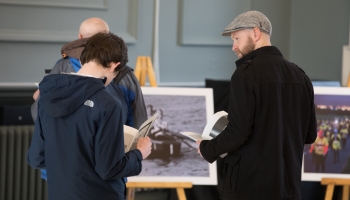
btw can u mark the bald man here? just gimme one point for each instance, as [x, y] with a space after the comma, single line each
[87, 28]
[125, 86]
[128, 83]
[92, 26]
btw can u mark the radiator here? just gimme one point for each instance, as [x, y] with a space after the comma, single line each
[18, 181]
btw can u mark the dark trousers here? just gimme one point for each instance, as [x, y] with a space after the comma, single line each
[320, 162]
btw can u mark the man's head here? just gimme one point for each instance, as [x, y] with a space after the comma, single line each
[249, 31]
[107, 50]
[92, 26]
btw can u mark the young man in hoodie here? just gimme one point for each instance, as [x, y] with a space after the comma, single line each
[128, 86]
[78, 135]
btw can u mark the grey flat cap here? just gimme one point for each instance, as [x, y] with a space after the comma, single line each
[250, 19]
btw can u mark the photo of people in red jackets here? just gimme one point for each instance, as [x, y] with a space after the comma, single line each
[330, 152]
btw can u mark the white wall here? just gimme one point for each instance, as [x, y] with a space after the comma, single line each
[345, 65]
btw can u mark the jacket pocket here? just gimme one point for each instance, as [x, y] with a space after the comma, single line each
[231, 171]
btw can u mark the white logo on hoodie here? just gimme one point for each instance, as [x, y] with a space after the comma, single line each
[89, 103]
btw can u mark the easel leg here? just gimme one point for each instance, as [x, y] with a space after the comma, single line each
[131, 193]
[150, 73]
[143, 70]
[345, 192]
[329, 192]
[181, 193]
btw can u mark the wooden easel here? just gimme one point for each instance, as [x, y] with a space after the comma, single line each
[143, 68]
[179, 186]
[331, 182]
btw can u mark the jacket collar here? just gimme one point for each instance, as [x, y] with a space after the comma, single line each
[257, 52]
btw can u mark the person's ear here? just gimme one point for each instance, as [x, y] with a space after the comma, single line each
[80, 36]
[256, 34]
[114, 66]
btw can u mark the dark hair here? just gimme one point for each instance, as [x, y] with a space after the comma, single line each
[104, 48]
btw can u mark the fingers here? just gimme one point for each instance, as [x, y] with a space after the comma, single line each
[199, 152]
[199, 143]
[145, 146]
[147, 139]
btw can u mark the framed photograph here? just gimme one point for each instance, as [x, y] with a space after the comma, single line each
[329, 155]
[174, 157]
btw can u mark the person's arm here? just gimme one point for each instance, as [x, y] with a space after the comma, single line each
[240, 117]
[36, 151]
[111, 161]
[312, 148]
[62, 65]
[34, 109]
[36, 94]
[312, 129]
[137, 103]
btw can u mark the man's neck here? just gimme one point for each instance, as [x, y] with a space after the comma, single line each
[264, 41]
[92, 69]
[257, 46]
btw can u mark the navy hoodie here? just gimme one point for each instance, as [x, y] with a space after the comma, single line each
[78, 138]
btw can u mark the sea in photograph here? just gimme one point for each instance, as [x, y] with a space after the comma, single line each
[174, 154]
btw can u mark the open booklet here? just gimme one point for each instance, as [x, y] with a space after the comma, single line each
[131, 135]
[213, 128]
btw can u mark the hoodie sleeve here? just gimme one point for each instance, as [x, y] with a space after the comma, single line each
[110, 160]
[36, 153]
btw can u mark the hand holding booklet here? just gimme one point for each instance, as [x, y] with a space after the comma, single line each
[132, 135]
[216, 124]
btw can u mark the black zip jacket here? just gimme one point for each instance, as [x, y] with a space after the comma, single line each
[271, 116]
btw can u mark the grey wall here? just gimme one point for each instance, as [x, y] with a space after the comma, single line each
[32, 33]
[310, 33]
[319, 31]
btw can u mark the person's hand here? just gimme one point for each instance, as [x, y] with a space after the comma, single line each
[36, 94]
[199, 143]
[145, 146]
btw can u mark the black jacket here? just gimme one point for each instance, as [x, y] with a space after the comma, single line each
[79, 139]
[271, 116]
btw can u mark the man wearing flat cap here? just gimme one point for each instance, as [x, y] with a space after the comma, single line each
[271, 116]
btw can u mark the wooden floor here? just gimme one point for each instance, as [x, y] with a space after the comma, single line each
[159, 194]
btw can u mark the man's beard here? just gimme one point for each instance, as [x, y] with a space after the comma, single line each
[249, 47]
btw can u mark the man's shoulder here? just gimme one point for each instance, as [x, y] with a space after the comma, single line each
[106, 101]
[126, 75]
[128, 80]
[244, 66]
[62, 65]
[103, 96]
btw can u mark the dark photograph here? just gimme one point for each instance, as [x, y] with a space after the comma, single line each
[329, 154]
